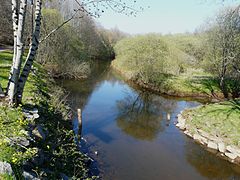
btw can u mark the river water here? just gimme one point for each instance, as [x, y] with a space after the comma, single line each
[133, 132]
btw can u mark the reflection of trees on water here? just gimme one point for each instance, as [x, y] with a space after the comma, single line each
[209, 165]
[144, 115]
[80, 91]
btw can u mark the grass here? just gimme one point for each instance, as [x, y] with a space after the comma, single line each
[12, 123]
[220, 119]
[6, 177]
[132, 60]
[59, 149]
[193, 83]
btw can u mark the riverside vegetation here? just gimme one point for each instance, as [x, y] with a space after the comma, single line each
[200, 65]
[36, 139]
[51, 143]
[36, 136]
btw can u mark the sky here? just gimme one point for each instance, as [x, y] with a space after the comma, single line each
[165, 16]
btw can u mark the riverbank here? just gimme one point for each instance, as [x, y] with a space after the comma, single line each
[216, 127]
[36, 139]
[195, 84]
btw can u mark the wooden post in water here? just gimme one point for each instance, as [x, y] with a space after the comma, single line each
[168, 116]
[79, 112]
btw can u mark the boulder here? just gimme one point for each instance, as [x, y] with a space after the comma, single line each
[35, 116]
[181, 123]
[28, 116]
[30, 176]
[233, 150]
[34, 111]
[20, 140]
[222, 147]
[231, 155]
[212, 145]
[187, 133]
[5, 168]
[197, 137]
[200, 139]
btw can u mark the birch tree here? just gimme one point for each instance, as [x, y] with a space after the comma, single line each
[32, 51]
[18, 78]
[18, 26]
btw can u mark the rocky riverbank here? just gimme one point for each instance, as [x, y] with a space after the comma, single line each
[221, 146]
[214, 126]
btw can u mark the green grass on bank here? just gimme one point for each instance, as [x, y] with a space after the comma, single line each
[193, 83]
[12, 123]
[61, 155]
[6, 177]
[220, 120]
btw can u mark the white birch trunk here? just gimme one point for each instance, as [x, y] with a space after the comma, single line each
[15, 28]
[18, 55]
[15, 25]
[32, 51]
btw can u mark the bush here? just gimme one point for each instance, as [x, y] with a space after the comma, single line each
[149, 56]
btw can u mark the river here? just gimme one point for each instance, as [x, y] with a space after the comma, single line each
[133, 132]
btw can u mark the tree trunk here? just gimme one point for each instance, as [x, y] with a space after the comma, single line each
[31, 53]
[222, 77]
[15, 28]
[12, 89]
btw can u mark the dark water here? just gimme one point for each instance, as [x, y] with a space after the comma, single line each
[134, 136]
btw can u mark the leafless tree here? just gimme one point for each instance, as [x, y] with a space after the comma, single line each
[224, 40]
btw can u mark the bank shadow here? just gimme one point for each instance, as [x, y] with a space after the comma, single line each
[205, 84]
[209, 165]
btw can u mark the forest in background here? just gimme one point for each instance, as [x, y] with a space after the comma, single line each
[205, 63]
[69, 52]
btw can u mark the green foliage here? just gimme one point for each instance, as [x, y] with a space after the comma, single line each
[12, 127]
[191, 44]
[158, 63]
[223, 51]
[6, 177]
[148, 55]
[60, 151]
[70, 51]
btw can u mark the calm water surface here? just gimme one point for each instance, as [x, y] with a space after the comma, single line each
[135, 135]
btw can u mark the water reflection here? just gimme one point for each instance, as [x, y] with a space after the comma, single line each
[120, 122]
[209, 165]
[80, 91]
[143, 115]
